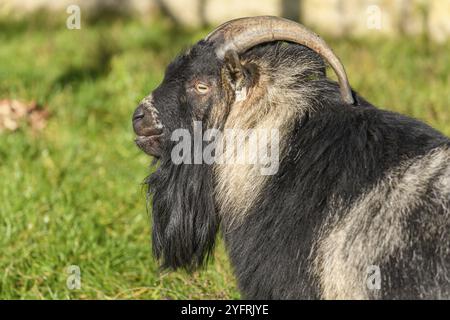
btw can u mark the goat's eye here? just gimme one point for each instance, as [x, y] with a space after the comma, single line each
[201, 88]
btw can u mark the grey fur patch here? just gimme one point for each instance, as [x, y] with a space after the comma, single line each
[374, 228]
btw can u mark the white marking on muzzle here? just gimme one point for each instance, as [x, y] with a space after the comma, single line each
[147, 102]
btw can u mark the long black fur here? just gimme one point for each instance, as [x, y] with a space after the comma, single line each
[342, 150]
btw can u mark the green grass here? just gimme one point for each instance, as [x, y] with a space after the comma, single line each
[73, 195]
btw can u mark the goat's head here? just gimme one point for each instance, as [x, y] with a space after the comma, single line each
[204, 83]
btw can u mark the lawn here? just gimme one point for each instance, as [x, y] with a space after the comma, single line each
[72, 193]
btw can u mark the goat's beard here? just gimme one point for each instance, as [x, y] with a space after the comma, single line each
[185, 222]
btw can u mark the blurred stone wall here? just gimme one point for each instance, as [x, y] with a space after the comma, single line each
[354, 17]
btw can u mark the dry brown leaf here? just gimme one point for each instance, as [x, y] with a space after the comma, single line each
[14, 113]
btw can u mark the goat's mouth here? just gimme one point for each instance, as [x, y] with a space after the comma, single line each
[150, 144]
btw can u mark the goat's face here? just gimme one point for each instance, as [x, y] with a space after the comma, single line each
[197, 86]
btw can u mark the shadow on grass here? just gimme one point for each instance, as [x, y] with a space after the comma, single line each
[99, 65]
[167, 41]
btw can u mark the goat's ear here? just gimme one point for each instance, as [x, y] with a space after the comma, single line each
[239, 76]
[234, 65]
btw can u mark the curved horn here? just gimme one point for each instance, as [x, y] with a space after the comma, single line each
[245, 33]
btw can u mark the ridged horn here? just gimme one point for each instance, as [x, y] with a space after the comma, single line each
[245, 33]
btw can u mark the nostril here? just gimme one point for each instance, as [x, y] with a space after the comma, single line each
[138, 114]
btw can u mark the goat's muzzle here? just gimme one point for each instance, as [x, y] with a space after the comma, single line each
[147, 128]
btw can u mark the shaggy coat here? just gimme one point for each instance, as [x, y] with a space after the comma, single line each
[356, 187]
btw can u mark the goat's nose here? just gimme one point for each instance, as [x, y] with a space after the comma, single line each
[138, 119]
[138, 114]
[144, 123]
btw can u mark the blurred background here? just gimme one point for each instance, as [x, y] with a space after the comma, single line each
[73, 218]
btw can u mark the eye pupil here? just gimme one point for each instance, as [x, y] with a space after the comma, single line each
[201, 88]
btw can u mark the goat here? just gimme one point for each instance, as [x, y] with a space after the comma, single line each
[359, 204]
